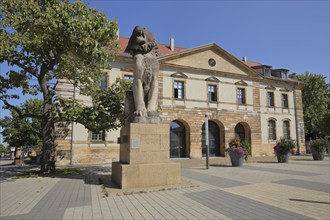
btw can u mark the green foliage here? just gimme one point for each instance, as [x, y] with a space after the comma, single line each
[26, 132]
[284, 146]
[247, 146]
[56, 38]
[3, 149]
[107, 111]
[46, 41]
[316, 99]
[320, 145]
[325, 124]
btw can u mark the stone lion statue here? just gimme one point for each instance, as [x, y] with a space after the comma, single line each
[143, 47]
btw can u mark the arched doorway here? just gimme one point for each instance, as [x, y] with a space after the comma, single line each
[214, 139]
[177, 140]
[240, 131]
[243, 130]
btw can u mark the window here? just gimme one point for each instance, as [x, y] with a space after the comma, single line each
[241, 96]
[178, 90]
[266, 71]
[103, 83]
[284, 75]
[99, 136]
[270, 99]
[212, 93]
[286, 130]
[271, 130]
[285, 103]
[128, 78]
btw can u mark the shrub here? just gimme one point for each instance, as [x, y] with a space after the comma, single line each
[320, 145]
[284, 146]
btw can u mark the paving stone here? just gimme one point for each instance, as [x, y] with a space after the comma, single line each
[233, 206]
[322, 187]
[297, 190]
[212, 180]
[282, 171]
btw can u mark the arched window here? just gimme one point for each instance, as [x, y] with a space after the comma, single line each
[286, 129]
[271, 129]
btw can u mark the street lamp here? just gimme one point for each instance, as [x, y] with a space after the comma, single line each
[207, 141]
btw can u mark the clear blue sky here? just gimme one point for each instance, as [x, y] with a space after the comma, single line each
[288, 34]
[284, 34]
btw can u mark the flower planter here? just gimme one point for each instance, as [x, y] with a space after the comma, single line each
[18, 162]
[236, 160]
[317, 155]
[283, 158]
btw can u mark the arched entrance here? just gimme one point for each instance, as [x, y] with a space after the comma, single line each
[239, 130]
[214, 139]
[243, 130]
[177, 140]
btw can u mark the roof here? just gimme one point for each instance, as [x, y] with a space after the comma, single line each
[162, 48]
[165, 51]
[251, 63]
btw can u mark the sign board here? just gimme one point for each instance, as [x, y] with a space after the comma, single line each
[135, 142]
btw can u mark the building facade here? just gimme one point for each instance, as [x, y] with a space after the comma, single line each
[258, 103]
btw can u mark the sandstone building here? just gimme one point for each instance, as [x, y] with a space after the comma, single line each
[255, 101]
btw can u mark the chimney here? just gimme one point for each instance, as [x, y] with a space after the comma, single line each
[117, 33]
[245, 59]
[172, 44]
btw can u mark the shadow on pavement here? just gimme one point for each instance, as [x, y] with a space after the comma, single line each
[93, 174]
[310, 201]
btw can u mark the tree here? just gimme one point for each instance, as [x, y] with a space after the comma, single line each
[325, 124]
[315, 97]
[107, 110]
[3, 149]
[50, 40]
[26, 132]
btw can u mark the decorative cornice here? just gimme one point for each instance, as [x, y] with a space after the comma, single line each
[285, 90]
[179, 75]
[270, 87]
[241, 83]
[212, 79]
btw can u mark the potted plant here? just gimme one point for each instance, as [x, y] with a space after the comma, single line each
[318, 148]
[236, 152]
[283, 148]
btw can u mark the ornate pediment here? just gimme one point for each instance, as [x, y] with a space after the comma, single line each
[284, 90]
[179, 75]
[241, 83]
[212, 79]
[270, 87]
[208, 57]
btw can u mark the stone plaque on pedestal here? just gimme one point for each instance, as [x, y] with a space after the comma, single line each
[144, 157]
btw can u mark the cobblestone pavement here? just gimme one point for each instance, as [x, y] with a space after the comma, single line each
[261, 189]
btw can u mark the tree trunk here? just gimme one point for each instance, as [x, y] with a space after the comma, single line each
[49, 146]
[48, 128]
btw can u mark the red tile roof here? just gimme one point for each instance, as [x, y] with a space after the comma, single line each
[162, 48]
[165, 50]
[251, 63]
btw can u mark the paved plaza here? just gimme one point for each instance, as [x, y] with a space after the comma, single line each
[261, 189]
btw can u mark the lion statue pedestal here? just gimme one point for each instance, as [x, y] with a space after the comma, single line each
[144, 158]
